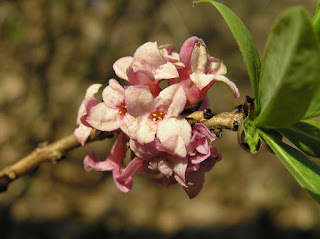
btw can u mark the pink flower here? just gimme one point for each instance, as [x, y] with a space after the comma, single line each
[83, 131]
[199, 149]
[158, 117]
[148, 66]
[202, 157]
[109, 114]
[158, 161]
[200, 71]
[188, 171]
[122, 175]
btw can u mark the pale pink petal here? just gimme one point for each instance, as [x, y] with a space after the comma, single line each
[104, 118]
[150, 56]
[174, 126]
[140, 76]
[199, 58]
[199, 158]
[171, 100]
[201, 128]
[145, 151]
[179, 168]
[141, 129]
[166, 71]
[168, 52]
[217, 67]
[113, 94]
[89, 101]
[174, 145]
[164, 167]
[202, 145]
[127, 121]
[146, 131]
[82, 133]
[166, 49]
[187, 49]
[120, 67]
[139, 100]
[91, 162]
[201, 80]
[232, 85]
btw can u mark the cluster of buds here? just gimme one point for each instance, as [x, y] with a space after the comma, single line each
[148, 120]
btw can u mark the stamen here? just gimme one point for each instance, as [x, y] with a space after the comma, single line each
[157, 115]
[122, 109]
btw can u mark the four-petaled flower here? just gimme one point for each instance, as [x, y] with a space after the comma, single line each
[158, 117]
[200, 71]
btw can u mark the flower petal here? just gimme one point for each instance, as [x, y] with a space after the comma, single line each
[113, 94]
[91, 162]
[166, 71]
[139, 100]
[145, 151]
[131, 168]
[146, 131]
[234, 88]
[164, 166]
[149, 56]
[82, 133]
[171, 100]
[179, 168]
[104, 118]
[187, 49]
[140, 76]
[120, 67]
[216, 67]
[201, 128]
[89, 101]
[119, 149]
[201, 80]
[174, 135]
[199, 58]
[141, 129]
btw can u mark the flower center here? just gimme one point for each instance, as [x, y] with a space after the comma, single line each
[157, 115]
[122, 109]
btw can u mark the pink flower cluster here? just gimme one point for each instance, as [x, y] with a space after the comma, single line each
[148, 119]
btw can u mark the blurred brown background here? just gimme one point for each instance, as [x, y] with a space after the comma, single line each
[51, 51]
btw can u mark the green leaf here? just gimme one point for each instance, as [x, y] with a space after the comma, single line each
[305, 135]
[302, 169]
[314, 109]
[248, 136]
[244, 40]
[290, 72]
[316, 21]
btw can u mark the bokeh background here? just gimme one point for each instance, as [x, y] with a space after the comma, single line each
[52, 50]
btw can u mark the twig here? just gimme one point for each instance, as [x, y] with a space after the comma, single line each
[55, 151]
[45, 152]
[217, 122]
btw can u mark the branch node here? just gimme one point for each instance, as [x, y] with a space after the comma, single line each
[11, 175]
[43, 144]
